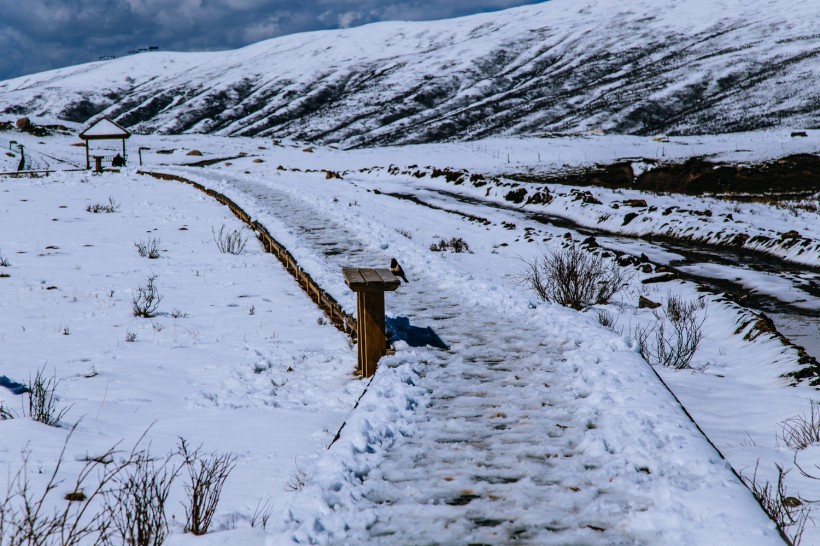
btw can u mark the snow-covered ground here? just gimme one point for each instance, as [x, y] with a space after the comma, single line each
[234, 358]
[536, 422]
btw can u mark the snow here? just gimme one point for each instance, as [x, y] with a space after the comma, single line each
[536, 422]
[106, 128]
[67, 310]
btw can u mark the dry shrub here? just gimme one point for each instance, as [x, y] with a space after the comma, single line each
[207, 474]
[262, 514]
[671, 344]
[147, 299]
[112, 206]
[455, 244]
[148, 249]
[801, 431]
[28, 517]
[297, 480]
[786, 511]
[42, 403]
[229, 242]
[135, 507]
[574, 277]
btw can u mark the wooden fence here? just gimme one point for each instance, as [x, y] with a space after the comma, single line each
[327, 303]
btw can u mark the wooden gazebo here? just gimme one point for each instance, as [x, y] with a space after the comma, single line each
[104, 129]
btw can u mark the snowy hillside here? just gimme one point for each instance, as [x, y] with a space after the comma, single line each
[643, 67]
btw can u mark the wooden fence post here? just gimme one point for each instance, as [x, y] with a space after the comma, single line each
[370, 286]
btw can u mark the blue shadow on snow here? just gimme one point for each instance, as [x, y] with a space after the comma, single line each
[13, 386]
[400, 329]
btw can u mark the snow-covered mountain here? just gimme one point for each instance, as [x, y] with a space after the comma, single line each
[644, 66]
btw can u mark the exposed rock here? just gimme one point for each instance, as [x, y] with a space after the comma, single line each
[629, 217]
[796, 174]
[763, 325]
[516, 196]
[646, 303]
[625, 260]
[585, 196]
[590, 242]
[542, 197]
[616, 174]
[634, 203]
[666, 277]
[456, 177]
[23, 124]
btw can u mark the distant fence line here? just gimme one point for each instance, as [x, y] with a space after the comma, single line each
[345, 322]
[15, 148]
[11, 145]
[27, 163]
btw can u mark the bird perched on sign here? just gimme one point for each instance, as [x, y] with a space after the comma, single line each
[396, 269]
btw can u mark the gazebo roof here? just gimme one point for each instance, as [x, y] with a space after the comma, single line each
[104, 128]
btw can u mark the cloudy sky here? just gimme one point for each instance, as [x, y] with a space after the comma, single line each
[37, 35]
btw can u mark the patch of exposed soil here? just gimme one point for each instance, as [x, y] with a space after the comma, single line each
[791, 176]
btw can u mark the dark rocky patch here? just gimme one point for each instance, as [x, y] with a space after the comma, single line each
[516, 196]
[82, 110]
[646, 303]
[790, 176]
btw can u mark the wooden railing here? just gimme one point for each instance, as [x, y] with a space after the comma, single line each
[327, 303]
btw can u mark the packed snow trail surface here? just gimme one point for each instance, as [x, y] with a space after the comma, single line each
[528, 431]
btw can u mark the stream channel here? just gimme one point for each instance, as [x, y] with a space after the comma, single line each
[786, 292]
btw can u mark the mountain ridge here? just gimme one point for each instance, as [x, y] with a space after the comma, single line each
[563, 65]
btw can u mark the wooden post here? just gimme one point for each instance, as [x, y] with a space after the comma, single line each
[373, 331]
[370, 286]
[98, 164]
[360, 343]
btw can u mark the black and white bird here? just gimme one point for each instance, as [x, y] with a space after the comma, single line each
[396, 269]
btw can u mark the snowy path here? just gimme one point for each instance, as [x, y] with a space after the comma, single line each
[529, 434]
